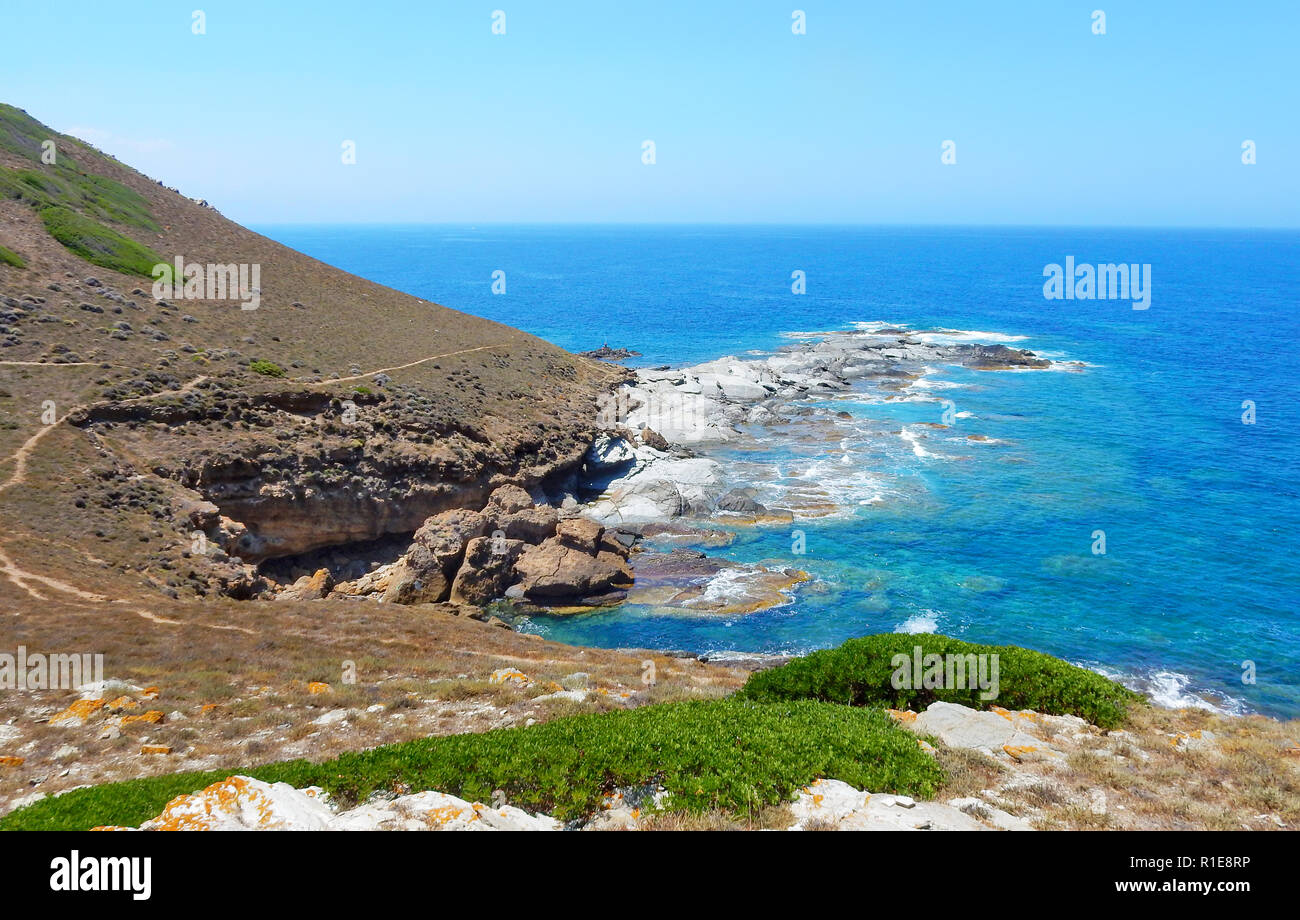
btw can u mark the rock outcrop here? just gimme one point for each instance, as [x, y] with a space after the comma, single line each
[244, 803]
[428, 570]
[512, 547]
[588, 573]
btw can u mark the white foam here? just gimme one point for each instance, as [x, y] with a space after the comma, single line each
[873, 325]
[964, 337]
[1170, 689]
[926, 622]
[911, 438]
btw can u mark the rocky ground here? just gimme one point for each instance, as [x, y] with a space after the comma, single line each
[235, 683]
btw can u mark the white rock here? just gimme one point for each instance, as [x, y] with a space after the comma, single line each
[333, 717]
[577, 696]
[978, 808]
[835, 803]
[243, 803]
[962, 727]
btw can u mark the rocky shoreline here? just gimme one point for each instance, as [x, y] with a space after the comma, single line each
[632, 522]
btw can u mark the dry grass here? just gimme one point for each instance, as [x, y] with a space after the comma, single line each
[771, 817]
[1245, 779]
[409, 662]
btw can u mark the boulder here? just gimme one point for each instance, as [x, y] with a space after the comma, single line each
[531, 524]
[507, 499]
[608, 453]
[652, 438]
[740, 501]
[425, 573]
[580, 533]
[242, 803]
[309, 587]
[555, 572]
[962, 727]
[829, 804]
[487, 571]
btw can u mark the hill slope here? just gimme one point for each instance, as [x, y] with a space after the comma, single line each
[338, 410]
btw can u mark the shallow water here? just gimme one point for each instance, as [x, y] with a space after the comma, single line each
[990, 541]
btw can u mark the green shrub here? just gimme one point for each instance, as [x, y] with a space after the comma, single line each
[707, 754]
[266, 368]
[97, 244]
[20, 133]
[96, 196]
[9, 257]
[860, 673]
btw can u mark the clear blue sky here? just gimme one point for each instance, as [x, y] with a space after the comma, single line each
[1053, 124]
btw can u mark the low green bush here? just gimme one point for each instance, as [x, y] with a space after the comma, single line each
[860, 673]
[719, 754]
[9, 257]
[98, 244]
[266, 368]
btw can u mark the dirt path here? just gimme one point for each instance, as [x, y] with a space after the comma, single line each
[398, 367]
[166, 622]
[19, 457]
[21, 577]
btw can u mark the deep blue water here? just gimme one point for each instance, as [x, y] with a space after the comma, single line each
[989, 542]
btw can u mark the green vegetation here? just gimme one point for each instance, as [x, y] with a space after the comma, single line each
[96, 196]
[707, 754]
[859, 673]
[73, 203]
[9, 257]
[20, 133]
[97, 244]
[265, 368]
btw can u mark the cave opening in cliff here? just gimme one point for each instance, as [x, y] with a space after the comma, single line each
[344, 561]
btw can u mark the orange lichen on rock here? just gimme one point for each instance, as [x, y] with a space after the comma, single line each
[155, 749]
[902, 715]
[150, 693]
[79, 711]
[153, 717]
[446, 814]
[122, 702]
[510, 677]
[316, 687]
[8, 761]
[1023, 752]
[197, 811]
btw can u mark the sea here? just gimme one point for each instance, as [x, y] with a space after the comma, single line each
[1134, 510]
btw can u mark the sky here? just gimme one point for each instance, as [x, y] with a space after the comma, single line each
[1052, 123]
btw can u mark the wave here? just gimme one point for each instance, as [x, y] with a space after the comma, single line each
[911, 438]
[924, 622]
[1173, 690]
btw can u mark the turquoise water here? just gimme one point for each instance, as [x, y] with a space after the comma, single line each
[988, 541]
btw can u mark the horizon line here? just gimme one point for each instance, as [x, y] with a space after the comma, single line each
[800, 224]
